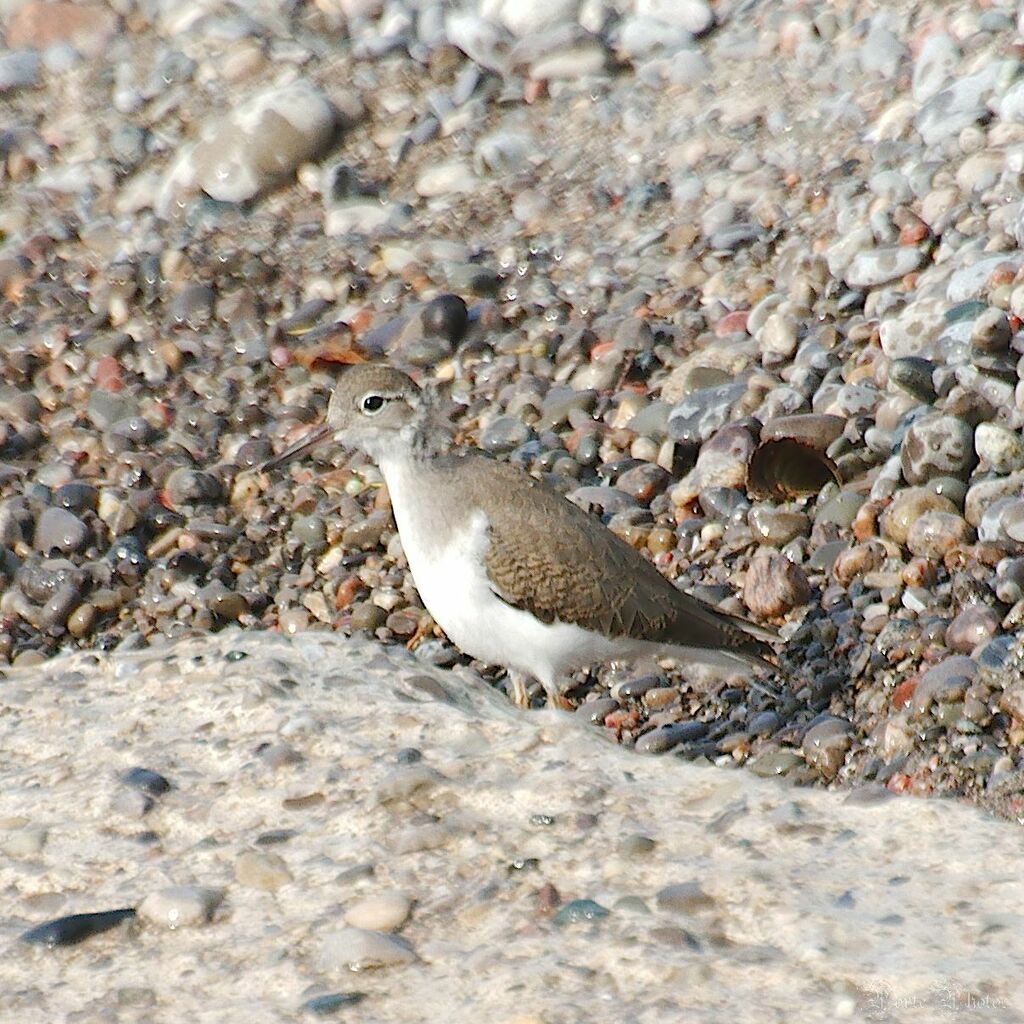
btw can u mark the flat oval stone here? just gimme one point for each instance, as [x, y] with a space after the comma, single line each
[360, 949]
[254, 147]
[877, 266]
[75, 928]
[181, 906]
[936, 533]
[385, 912]
[60, 530]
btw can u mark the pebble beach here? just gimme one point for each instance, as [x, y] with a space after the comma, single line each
[745, 279]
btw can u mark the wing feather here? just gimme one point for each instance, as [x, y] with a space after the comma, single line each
[555, 561]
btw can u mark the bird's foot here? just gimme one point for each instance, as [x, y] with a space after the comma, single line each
[518, 690]
[423, 628]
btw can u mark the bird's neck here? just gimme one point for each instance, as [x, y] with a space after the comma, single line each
[412, 450]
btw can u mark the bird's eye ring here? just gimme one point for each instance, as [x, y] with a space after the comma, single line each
[372, 404]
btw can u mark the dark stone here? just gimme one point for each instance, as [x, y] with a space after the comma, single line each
[323, 1005]
[68, 931]
[146, 780]
[77, 497]
[446, 317]
[579, 910]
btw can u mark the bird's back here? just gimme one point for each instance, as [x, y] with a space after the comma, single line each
[549, 557]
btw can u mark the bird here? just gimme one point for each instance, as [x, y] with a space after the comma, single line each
[514, 573]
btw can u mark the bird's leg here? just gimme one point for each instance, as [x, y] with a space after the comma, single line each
[556, 699]
[519, 692]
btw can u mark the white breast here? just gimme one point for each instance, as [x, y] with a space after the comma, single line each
[449, 571]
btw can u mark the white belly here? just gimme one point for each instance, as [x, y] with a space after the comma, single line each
[452, 581]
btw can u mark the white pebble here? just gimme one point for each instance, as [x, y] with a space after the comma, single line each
[359, 949]
[181, 906]
[385, 912]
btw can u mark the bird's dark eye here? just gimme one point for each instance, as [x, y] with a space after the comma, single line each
[372, 404]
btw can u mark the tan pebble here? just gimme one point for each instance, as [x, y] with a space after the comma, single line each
[825, 745]
[29, 658]
[936, 534]
[920, 572]
[81, 619]
[774, 586]
[660, 540]
[385, 912]
[907, 507]
[865, 522]
[857, 561]
[660, 696]
[972, 625]
[266, 871]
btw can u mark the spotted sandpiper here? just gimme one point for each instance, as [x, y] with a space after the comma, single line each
[515, 574]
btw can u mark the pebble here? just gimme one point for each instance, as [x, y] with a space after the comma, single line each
[147, 781]
[998, 448]
[60, 531]
[875, 267]
[181, 906]
[40, 24]
[577, 911]
[825, 745]
[934, 534]
[384, 912]
[360, 949]
[972, 626]
[75, 928]
[937, 445]
[256, 146]
[684, 898]
[259, 870]
[774, 586]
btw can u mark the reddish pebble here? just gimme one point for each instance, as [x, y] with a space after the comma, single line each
[732, 323]
[548, 899]
[898, 783]
[972, 625]
[346, 592]
[1003, 274]
[865, 524]
[280, 356]
[534, 90]
[914, 233]
[904, 693]
[108, 374]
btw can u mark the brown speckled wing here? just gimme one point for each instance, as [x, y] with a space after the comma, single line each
[554, 560]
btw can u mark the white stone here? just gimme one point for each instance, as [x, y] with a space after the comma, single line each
[385, 912]
[447, 178]
[694, 16]
[969, 282]
[181, 906]
[359, 949]
[936, 63]
[877, 266]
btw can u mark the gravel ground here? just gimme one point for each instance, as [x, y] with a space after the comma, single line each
[637, 244]
[743, 278]
[303, 824]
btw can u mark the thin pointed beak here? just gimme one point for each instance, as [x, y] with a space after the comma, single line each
[316, 436]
